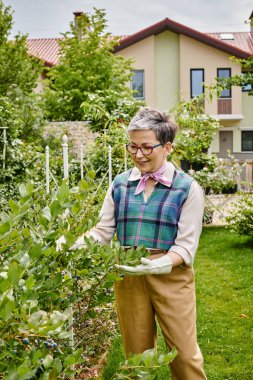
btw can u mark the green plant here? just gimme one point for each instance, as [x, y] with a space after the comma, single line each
[40, 286]
[115, 136]
[105, 108]
[195, 134]
[144, 366]
[240, 217]
[221, 176]
[87, 67]
[18, 69]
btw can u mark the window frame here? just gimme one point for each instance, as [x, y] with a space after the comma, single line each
[227, 89]
[191, 82]
[135, 96]
[244, 150]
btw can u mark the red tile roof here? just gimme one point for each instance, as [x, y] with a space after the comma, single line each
[241, 46]
[47, 49]
[242, 40]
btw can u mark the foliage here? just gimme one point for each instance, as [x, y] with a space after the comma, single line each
[242, 80]
[87, 66]
[22, 115]
[115, 137]
[196, 132]
[240, 217]
[105, 108]
[219, 177]
[20, 109]
[145, 365]
[23, 162]
[39, 286]
[17, 68]
[19, 73]
[191, 148]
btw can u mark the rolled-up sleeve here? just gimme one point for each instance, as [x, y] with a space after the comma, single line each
[190, 225]
[105, 228]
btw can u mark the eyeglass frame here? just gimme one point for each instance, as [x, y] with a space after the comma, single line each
[139, 147]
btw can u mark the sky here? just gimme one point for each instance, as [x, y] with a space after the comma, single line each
[50, 18]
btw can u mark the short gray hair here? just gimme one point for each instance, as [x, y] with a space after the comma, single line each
[151, 119]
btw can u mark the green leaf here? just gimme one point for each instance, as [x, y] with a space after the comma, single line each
[63, 192]
[148, 357]
[6, 309]
[30, 282]
[91, 174]
[14, 207]
[47, 361]
[22, 190]
[26, 232]
[57, 365]
[25, 189]
[69, 360]
[25, 260]
[47, 213]
[73, 359]
[5, 227]
[55, 208]
[14, 273]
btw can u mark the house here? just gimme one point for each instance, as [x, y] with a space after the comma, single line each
[172, 61]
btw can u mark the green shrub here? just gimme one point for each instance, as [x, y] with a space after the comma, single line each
[240, 218]
[40, 286]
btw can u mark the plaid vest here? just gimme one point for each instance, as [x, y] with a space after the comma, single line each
[152, 224]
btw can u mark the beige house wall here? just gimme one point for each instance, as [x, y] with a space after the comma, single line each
[194, 54]
[237, 125]
[167, 70]
[143, 53]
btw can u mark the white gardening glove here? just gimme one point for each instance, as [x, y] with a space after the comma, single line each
[157, 266]
[80, 243]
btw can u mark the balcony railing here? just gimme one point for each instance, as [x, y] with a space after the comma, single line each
[224, 106]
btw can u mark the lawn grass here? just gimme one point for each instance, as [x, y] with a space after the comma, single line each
[224, 288]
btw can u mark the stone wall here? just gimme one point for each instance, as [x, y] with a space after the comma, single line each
[77, 132]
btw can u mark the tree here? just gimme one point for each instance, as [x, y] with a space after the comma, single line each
[17, 68]
[87, 66]
[20, 110]
[19, 73]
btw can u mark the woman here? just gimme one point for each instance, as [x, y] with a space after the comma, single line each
[159, 207]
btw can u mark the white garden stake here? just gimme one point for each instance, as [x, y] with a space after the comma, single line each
[110, 163]
[65, 157]
[47, 170]
[125, 157]
[81, 160]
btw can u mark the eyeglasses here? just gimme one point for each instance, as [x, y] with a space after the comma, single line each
[145, 150]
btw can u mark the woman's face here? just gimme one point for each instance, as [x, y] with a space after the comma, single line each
[156, 159]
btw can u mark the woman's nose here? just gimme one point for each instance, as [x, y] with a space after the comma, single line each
[139, 153]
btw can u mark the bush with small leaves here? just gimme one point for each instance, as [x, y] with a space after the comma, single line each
[240, 218]
[144, 366]
[41, 286]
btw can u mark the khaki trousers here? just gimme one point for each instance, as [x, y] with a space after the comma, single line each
[171, 299]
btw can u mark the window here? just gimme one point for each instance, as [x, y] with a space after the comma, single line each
[138, 84]
[227, 36]
[197, 79]
[247, 141]
[224, 74]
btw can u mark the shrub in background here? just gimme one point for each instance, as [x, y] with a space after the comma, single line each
[240, 217]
